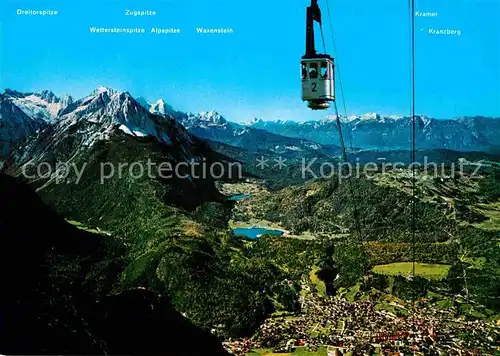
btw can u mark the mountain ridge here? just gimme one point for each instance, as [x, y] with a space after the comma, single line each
[24, 114]
[373, 131]
[367, 131]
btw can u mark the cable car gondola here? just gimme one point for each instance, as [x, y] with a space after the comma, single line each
[318, 76]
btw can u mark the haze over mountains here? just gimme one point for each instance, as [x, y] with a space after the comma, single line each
[371, 131]
[24, 114]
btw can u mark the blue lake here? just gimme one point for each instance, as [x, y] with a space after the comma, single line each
[255, 232]
[238, 196]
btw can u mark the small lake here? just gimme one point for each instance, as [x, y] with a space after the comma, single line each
[238, 196]
[255, 232]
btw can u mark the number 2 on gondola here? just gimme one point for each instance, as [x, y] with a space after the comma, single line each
[313, 86]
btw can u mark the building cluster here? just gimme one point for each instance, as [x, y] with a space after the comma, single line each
[366, 327]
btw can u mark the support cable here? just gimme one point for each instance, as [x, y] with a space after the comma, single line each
[413, 136]
[337, 65]
[347, 165]
[356, 215]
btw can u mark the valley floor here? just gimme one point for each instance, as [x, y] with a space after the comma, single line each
[425, 270]
[363, 320]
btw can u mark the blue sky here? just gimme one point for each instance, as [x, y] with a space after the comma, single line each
[254, 72]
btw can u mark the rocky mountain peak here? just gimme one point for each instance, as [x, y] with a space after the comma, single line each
[13, 93]
[103, 89]
[47, 96]
[212, 116]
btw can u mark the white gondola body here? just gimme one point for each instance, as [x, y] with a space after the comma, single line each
[318, 81]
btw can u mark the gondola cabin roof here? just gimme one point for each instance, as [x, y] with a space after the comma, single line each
[318, 57]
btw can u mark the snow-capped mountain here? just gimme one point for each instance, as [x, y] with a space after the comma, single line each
[370, 131]
[374, 131]
[43, 105]
[211, 125]
[23, 114]
[110, 128]
[205, 118]
[188, 120]
[159, 107]
[15, 125]
[98, 117]
[109, 109]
